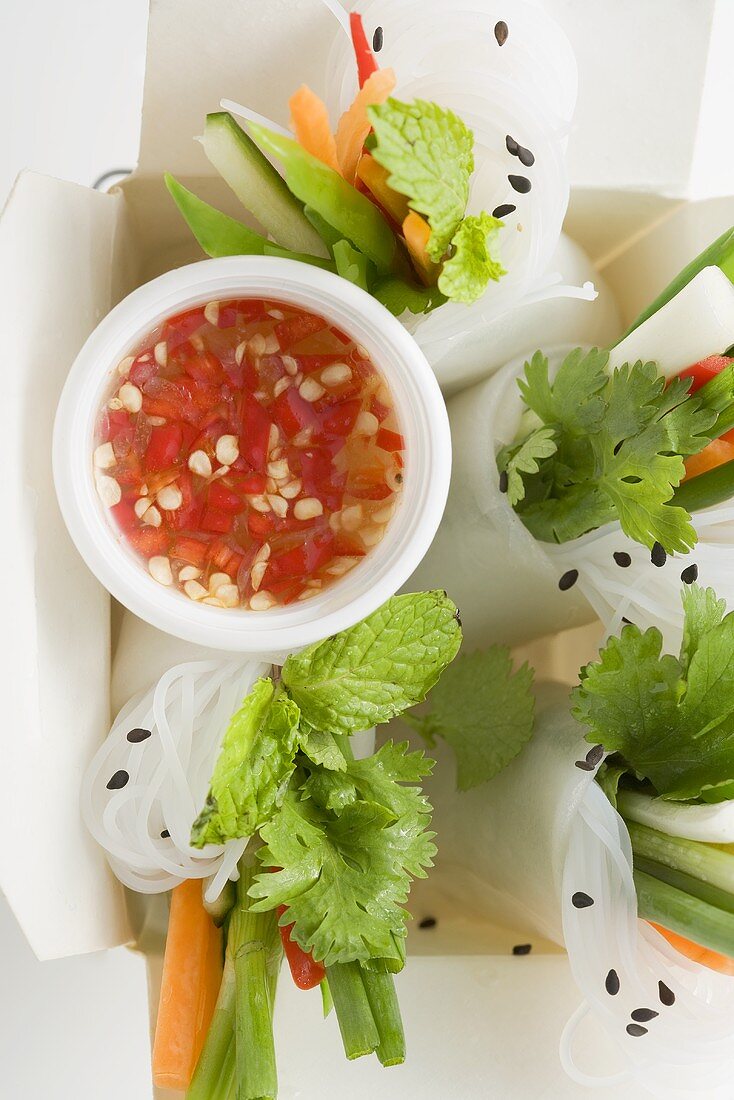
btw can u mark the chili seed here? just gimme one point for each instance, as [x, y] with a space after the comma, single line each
[658, 557]
[131, 397]
[104, 456]
[272, 346]
[263, 553]
[152, 517]
[666, 995]
[118, 780]
[137, 735]
[262, 601]
[211, 312]
[611, 983]
[503, 210]
[351, 517]
[689, 574]
[189, 573]
[170, 498]
[622, 559]
[160, 353]
[228, 594]
[124, 367]
[366, 423]
[377, 39]
[200, 463]
[644, 1015]
[257, 573]
[281, 385]
[256, 344]
[195, 591]
[279, 505]
[227, 449]
[636, 1030]
[213, 601]
[336, 374]
[217, 580]
[308, 508]
[291, 365]
[239, 352]
[311, 390]
[279, 468]
[109, 491]
[501, 31]
[568, 580]
[141, 506]
[580, 900]
[522, 949]
[521, 184]
[291, 489]
[273, 438]
[259, 503]
[160, 570]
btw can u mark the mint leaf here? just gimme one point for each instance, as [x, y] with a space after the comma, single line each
[671, 719]
[524, 459]
[620, 443]
[253, 768]
[400, 297]
[375, 670]
[344, 878]
[472, 264]
[484, 711]
[321, 748]
[428, 152]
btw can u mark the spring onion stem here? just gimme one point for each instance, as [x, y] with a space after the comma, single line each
[358, 1030]
[379, 986]
[696, 887]
[704, 491]
[214, 1071]
[254, 944]
[698, 921]
[690, 857]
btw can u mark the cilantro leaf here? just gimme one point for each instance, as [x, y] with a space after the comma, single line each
[620, 440]
[253, 768]
[344, 878]
[378, 779]
[484, 712]
[400, 297]
[472, 265]
[428, 152]
[375, 670]
[524, 459]
[670, 718]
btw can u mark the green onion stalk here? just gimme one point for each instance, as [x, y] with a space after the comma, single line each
[238, 1057]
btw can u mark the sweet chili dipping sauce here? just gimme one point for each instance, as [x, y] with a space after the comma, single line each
[249, 453]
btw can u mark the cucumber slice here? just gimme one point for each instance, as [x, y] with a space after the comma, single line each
[257, 185]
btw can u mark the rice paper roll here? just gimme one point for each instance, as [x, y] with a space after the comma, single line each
[515, 91]
[540, 849]
[506, 582]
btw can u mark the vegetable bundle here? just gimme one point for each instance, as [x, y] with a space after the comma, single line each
[618, 465]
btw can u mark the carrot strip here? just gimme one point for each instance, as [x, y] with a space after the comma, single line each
[192, 967]
[715, 453]
[310, 124]
[354, 125]
[374, 177]
[417, 233]
[703, 955]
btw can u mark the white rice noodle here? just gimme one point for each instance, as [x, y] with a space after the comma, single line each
[526, 89]
[186, 712]
[689, 1047]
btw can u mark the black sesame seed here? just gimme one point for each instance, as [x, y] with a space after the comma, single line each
[689, 574]
[504, 481]
[118, 781]
[627, 622]
[644, 1015]
[377, 40]
[658, 556]
[594, 755]
[520, 184]
[428, 922]
[137, 735]
[501, 31]
[522, 949]
[568, 580]
[622, 559]
[512, 146]
[636, 1030]
[584, 765]
[667, 996]
[580, 900]
[165, 834]
[503, 210]
[611, 983]
[525, 156]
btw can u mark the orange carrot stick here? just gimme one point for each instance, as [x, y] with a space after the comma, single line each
[192, 968]
[417, 233]
[703, 955]
[310, 124]
[714, 454]
[374, 177]
[354, 125]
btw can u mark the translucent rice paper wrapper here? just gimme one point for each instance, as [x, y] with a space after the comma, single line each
[523, 868]
[526, 89]
[505, 581]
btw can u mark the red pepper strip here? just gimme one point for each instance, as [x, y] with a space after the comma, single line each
[305, 971]
[366, 64]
